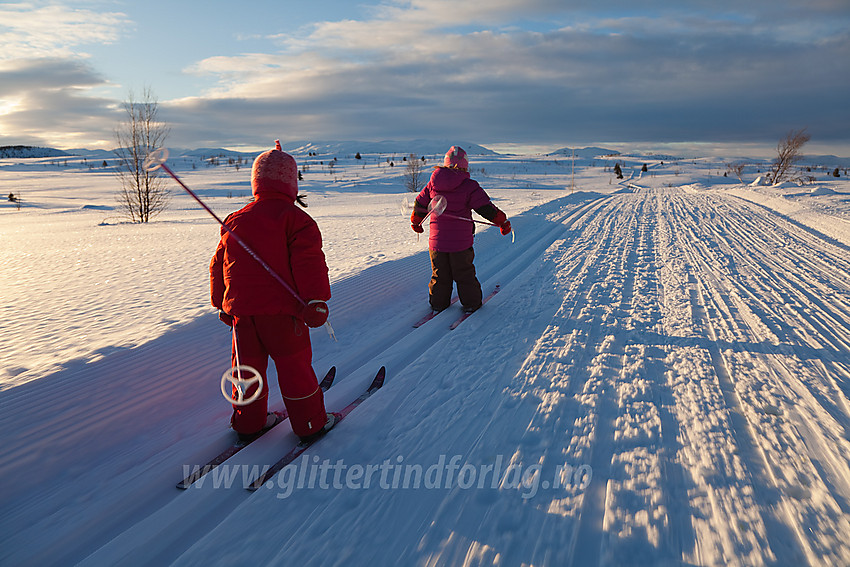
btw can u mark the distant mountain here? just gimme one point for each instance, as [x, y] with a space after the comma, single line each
[302, 148]
[29, 152]
[200, 153]
[91, 154]
[584, 153]
[386, 147]
[205, 153]
[398, 147]
[826, 161]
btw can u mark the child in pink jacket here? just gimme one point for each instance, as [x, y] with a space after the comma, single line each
[450, 239]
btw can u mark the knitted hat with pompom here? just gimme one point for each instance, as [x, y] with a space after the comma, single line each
[456, 157]
[275, 173]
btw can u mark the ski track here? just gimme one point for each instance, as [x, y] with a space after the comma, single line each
[772, 380]
[690, 347]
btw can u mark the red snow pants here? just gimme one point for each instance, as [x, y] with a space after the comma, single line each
[287, 341]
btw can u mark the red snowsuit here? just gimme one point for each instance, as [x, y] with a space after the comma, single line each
[267, 317]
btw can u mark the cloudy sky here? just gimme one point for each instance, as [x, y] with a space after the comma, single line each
[507, 74]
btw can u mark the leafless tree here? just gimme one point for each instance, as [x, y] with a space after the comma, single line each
[736, 168]
[788, 153]
[413, 174]
[143, 194]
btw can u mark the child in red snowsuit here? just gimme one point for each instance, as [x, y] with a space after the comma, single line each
[269, 321]
[450, 239]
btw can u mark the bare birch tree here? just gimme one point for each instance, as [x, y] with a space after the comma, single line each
[737, 169]
[788, 153]
[143, 194]
[413, 174]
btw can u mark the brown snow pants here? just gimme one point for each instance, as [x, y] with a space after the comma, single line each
[449, 267]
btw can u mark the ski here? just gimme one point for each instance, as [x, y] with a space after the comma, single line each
[200, 471]
[465, 316]
[430, 316]
[296, 451]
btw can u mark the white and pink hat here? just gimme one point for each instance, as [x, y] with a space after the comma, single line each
[456, 157]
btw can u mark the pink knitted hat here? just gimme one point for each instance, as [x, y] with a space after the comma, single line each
[275, 171]
[456, 157]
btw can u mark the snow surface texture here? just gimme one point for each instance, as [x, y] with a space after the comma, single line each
[663, 379]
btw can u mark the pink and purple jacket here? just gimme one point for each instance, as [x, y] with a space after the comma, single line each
[462, 194]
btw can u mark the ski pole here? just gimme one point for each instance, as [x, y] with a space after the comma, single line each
[468, 220]
[438, 205]
[238, 384]
[513, 234]
[156, 160]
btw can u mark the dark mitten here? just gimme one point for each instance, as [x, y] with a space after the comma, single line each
[315, 313]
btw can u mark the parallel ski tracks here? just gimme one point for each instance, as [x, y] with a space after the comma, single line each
[741, 267]
[733, 312]
[716, 261]
[504, 270]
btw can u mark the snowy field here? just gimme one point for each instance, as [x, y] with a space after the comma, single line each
[662, 380]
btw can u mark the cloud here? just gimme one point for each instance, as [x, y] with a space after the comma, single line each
[663, 75]
[39, 29]
[25, 75]
[48, 103]
[45, 81]
[498, 71]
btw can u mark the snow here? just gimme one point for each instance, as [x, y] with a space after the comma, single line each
[662, 380]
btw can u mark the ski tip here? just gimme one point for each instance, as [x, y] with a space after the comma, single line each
[328, 380]
[188, 481]
[379, 379]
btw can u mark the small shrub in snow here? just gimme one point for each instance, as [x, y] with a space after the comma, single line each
[788, 152]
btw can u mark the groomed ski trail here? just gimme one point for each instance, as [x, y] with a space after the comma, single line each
[359, 302]
[688, 347]
[647, 341]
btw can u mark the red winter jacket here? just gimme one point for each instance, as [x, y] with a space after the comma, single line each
[462, 194]
[288, 240]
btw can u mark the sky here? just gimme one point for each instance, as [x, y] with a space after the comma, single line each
[710, 76]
